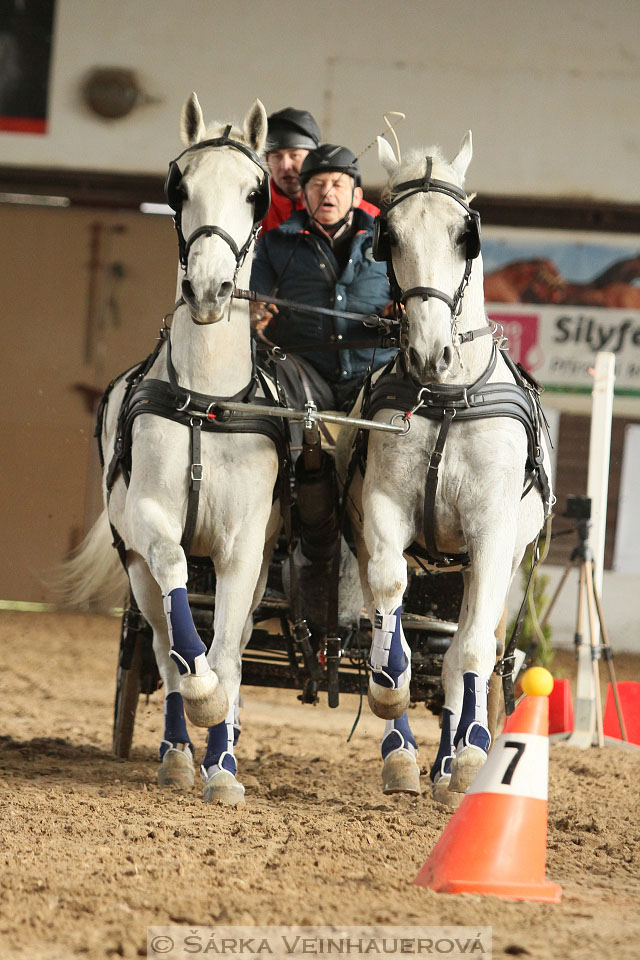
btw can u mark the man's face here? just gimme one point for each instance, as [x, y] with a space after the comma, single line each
[327, 196]
[284, 166]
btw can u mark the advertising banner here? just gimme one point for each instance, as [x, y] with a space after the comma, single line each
[561, 297]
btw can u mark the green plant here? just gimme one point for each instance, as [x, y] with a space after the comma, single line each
[532, 637]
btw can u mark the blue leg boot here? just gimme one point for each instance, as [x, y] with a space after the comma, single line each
[472, 737]
[176, 749]
[205, 701]
[390, 663]
[400, 772]
[440, 773]
[219, 766]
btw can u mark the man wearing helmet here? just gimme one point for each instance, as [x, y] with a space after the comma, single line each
[291, 134]
[321, 256]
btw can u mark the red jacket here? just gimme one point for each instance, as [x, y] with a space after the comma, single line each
[282, 207]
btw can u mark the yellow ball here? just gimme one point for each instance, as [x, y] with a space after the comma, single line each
[537, 682]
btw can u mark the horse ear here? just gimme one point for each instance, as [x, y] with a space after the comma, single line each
[463, 158]
[255, 126]
[192, 128]
[386, 156]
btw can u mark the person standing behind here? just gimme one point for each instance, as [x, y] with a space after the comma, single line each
[291, 135]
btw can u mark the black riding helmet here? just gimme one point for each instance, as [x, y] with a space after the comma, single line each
[292, 129]
[330, 157]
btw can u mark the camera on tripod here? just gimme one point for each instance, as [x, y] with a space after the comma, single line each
[578, 508]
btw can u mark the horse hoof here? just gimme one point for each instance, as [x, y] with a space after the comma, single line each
[205, 702]
[401, 773]
[442, 794]
[177, 769]
[387, 702]
[464, 767]
[224, 787]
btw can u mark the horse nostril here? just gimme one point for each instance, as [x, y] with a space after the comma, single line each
[447, 358]
[187, 291]
[414, 359]
[226, 289]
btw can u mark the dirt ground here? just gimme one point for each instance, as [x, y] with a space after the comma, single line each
[94, 851]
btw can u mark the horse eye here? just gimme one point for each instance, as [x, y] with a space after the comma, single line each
[393, 238]
[253, 196]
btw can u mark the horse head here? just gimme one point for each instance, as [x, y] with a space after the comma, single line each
[431, 239]
[219, 195]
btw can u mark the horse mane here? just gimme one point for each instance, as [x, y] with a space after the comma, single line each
[413, 166]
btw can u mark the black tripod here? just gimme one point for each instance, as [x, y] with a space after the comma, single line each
[579, 509]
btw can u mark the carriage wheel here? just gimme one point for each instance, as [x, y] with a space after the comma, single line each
[128, 686]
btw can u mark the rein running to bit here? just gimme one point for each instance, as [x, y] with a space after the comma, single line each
[370, 320]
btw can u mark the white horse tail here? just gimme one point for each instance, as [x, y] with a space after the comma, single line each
[93, 576]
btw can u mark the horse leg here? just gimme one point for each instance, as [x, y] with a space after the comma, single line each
[486, 584]
[205, 700]
[219, 767]
[176, 749]
[400, 771]
[386, 532]
[440, 773]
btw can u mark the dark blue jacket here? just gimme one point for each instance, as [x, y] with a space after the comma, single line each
[293, 263]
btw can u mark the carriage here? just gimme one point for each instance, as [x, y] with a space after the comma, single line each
[473, 506]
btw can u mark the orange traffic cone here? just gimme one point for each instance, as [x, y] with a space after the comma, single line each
[496, 841]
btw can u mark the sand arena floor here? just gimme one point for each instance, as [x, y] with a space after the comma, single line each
[93, 851]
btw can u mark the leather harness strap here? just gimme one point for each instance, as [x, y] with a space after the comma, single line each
[430, 489]
[198, 412]
[195, 479]
[395, 390]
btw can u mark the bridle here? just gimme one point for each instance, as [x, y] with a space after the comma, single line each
[471, 238]
[174, 193]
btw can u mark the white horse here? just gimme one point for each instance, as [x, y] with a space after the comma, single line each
[220, 196]
[431, 237]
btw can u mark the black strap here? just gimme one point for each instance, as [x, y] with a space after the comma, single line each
[194, 485]
[430, 490]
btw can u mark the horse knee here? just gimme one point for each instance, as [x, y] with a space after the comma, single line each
[168, 564]
[387, 576]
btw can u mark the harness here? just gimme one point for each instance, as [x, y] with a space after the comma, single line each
[396, 390]
[197, 411]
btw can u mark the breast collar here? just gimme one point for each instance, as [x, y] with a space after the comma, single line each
[449, 403]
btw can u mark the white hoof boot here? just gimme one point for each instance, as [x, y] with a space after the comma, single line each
[205, 701]
[401, 773]
[464, 767]
[442, 794]
[222, 786]
[177, 768]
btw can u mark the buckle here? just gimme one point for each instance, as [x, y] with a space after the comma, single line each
[505, 665]
[196, 472]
